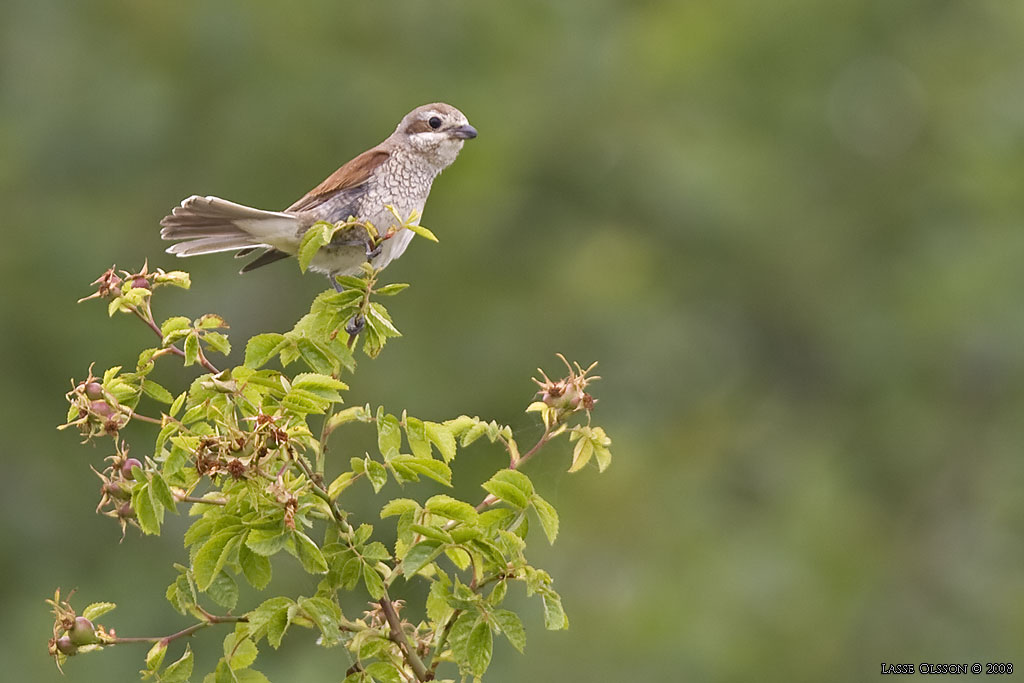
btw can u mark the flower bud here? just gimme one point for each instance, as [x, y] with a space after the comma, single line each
[83, 632]
[64, 646]
[101, 409]
[126, 467]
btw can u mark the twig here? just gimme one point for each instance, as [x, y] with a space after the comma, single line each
[148, 319]
[210, 619]
[320, 491]
[194, 499]
[399, 637]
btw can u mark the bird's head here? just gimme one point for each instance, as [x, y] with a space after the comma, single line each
[436, 131]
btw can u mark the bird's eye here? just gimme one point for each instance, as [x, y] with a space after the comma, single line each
[434, 122]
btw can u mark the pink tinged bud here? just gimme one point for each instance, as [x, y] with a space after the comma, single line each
[82, 633]
[126, 468]
[101, 408]
[65, 646]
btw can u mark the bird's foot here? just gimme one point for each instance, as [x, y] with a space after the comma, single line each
[355, 325]
[373, 250]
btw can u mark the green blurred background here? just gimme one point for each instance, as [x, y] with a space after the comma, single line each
[790, 231]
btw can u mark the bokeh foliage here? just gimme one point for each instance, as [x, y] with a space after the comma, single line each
[789, 230]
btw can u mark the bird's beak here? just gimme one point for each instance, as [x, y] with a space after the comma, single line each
[464, 132]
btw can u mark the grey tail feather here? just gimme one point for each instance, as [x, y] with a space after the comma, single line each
[269, 256]
[210, 245]
[208, 224]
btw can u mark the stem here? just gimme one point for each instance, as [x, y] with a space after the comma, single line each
[194, 499]
[145, 418]
[544, 438]
[398, 636]
[320, 491]
[185, 632]
[148, 319]
[321, 456]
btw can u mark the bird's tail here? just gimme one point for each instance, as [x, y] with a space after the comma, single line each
[206, 225]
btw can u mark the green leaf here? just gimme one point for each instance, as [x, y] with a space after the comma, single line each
[376, 473]
[310, 555]
[210, 321]
[355, 413]
[315, 356]
[436, 533]
[419, 556]
[512, 626]
[97, 610]
[438, 609]
[450, 508]
[272, 616]
[172, 325]
[510, 486]
[435, 469]
[155, 656]
[157, 392]
[422, 231]
[256, 568]
[313, 239]
[479, 648]
[554, 616]
[249, 676]
[389, 435]
[179, 671]
[177, 278]
[385, 672]
[239, 650]
[322, 385]
[178, 403]
[191, 350]
[374, 584]
[218, 342]
[416, 434]
[211, 557]
[398, 506]
[390, 290]
[351, 282]
[262, 348]
[375, 552]
[145, 509]
[162, 492]
[326, 615]
[442, 438]
[266, 542]
[548, 517]
[224, 590]
[342, 482]
[377, 316]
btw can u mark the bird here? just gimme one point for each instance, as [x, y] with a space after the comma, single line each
[392, 179]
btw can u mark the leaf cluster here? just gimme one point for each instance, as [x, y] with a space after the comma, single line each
[243, 451]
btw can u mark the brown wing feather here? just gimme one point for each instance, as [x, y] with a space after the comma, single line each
[352, 174]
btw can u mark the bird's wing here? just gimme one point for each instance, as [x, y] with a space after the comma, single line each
[351, 175]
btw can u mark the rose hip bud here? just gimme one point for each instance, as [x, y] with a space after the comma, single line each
[126, 467]
[140, 282]
[94, 390]
[125, 511]
[82, 633]
[65, 646]
[101, 408]
[115, 490]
